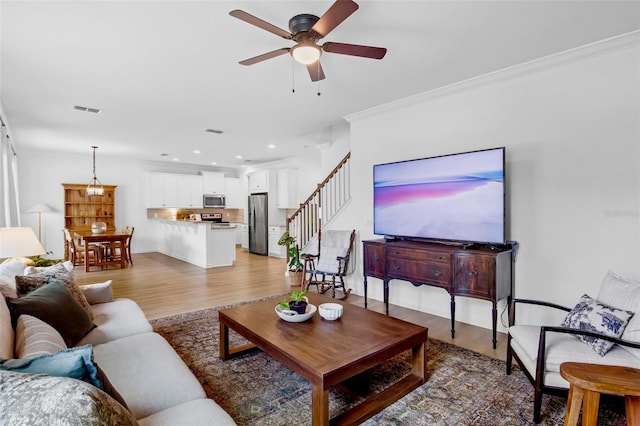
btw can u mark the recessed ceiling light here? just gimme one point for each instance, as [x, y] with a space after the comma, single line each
[175, 159]
[238, 157]
[213, 163]
[196, 152]
[87, 109]
[271, 146]
[216, 131]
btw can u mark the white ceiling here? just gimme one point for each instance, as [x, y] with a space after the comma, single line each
[164, 71]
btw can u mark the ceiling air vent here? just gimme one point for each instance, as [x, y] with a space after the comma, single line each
[217, 132]
[87, 109]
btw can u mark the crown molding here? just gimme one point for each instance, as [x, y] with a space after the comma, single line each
[598, 48]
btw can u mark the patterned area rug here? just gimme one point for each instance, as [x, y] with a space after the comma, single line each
[463, 388]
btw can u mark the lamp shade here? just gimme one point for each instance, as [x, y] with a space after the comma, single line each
[40, 208]
[16, 242]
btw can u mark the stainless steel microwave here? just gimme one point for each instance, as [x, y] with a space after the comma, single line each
[213, 200]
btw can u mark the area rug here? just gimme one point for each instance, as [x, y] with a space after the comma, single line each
[463, 387]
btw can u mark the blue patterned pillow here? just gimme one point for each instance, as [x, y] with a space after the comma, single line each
[591, 315]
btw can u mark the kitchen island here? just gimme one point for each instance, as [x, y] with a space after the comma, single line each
[203, 244]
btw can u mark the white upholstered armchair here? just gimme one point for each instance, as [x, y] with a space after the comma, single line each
[609, 327]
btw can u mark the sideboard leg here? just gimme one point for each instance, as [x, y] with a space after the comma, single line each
[494, 318]
[453, 316]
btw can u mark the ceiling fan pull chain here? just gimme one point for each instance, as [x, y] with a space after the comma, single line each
[293, 77]
[318, 62]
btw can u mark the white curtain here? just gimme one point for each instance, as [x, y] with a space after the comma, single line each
[9, 201]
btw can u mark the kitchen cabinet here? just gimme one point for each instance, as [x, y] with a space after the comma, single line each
[244, 236]
[235, 192]
[213, 183]
[189, 191]
[275, 232]
[259, 182]
[287, 189]
[162, 190]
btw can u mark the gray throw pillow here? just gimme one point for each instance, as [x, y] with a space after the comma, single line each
[53, 304]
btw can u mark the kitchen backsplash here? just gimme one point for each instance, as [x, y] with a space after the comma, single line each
[228, 215]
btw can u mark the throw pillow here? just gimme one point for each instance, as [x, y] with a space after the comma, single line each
[591, 315]
[27, 283]
[76, 363]
[54, 305]
[29, 399]
[68, 265]
[8, 272]
[35, 338]
[98, 293]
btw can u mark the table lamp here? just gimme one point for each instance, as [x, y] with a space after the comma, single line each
[17, 242]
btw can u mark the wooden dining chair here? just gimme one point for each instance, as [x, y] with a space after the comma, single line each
[76, 250]
[113, 251]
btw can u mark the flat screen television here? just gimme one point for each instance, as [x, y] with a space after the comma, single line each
[451, 198]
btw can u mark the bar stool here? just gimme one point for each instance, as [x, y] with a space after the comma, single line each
[588, 381]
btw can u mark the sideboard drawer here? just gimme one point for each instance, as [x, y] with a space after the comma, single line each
[437, 274]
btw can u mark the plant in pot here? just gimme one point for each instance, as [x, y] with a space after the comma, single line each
[293, 252]
[296, 301]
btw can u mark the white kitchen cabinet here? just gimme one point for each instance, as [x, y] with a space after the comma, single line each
[213, 183]
[162, 190]
[275, 232]
[287, 189]
[189, 188]
[259, 182]
[244, 236]
[235, 193]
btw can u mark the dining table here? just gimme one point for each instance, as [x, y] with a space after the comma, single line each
[107, 237]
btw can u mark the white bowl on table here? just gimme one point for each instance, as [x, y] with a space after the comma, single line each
[330, 311]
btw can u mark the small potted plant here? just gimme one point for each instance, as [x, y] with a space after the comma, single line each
[296, 301]
[293, 252]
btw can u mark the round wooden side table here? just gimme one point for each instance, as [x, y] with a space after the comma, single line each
[588, 381]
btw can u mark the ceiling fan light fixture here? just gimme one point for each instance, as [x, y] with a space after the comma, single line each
[306, 53]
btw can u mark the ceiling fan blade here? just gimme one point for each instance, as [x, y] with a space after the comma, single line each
[265, 56]
[246, 17]
[338, 12]
[315, 71]
[355, 50]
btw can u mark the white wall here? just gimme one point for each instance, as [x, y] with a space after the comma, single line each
[571, 128]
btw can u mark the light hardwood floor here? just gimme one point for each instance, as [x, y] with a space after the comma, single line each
[164, 286]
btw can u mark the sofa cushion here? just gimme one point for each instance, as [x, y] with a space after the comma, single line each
[591, 315]
[98, 292]
[38, 399]
[148, 373]
[27, 283]
[114, 320]
[199, 412]
[35, 338]
[7, 335]
[623, 294]
[76, 363]
[54, 305]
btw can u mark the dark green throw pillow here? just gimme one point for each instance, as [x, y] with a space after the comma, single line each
[54, 304]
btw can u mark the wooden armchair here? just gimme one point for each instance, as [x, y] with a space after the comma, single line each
[540, 349]
[326, 269]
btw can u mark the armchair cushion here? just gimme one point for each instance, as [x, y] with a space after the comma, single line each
[589, 314]
[623, 294]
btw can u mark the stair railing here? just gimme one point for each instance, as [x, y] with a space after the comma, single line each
[329, 197]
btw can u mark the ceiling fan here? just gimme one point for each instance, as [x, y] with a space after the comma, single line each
[306, 29]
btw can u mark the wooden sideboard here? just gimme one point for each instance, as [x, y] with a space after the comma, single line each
[480, 273]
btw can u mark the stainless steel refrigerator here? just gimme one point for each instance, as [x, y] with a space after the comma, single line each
[258, 224]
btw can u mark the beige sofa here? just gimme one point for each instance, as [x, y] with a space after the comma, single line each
[158, 388]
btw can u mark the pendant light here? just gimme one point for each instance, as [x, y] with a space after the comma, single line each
[95, 187]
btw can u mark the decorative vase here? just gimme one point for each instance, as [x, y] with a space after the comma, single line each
[98, 227]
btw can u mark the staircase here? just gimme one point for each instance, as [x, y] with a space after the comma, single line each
[331, 195]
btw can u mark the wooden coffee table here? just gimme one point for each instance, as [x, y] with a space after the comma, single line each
[328, 353]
